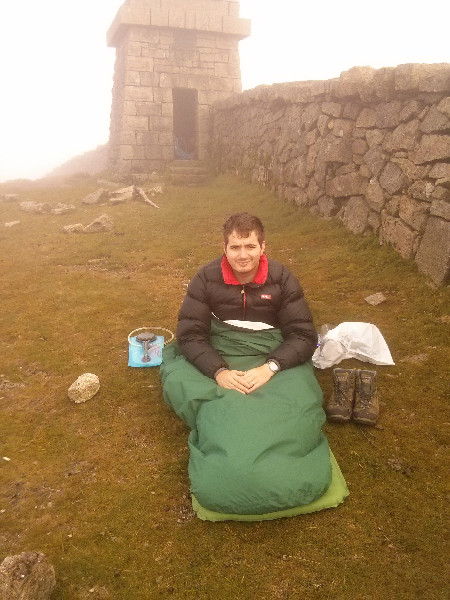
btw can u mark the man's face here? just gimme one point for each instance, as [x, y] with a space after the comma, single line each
[243, 254]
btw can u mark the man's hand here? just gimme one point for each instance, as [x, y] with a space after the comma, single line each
[257, 377]
[234, 380]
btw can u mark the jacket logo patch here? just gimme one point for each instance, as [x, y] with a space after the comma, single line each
[266, 296]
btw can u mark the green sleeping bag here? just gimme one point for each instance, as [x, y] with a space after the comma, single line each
[256, 454]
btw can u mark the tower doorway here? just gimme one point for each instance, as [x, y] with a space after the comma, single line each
[185, 123]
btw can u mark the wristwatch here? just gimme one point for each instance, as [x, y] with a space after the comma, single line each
[273, 366]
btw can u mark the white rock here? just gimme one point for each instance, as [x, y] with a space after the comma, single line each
[375, 299]
[75, 228]
[84, 388]
[62, 209]
[12, 223]
[38, 208]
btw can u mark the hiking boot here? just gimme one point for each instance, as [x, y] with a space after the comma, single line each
[339, 406]
[366, 408]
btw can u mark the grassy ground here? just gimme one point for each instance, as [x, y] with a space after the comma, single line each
[102, 489]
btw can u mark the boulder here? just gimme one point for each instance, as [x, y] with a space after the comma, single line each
[26, 576]
[84, 388]
[433, 255]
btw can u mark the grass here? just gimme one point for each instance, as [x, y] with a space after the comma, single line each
[102, 488]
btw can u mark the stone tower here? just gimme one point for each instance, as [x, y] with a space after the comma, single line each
[174, 59]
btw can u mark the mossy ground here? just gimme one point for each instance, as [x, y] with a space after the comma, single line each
[102, 488]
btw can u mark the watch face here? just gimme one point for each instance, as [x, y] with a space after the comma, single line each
[273, 366]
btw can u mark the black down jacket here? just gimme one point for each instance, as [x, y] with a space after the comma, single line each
[278, 301]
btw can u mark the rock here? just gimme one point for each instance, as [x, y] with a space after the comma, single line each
[26, 576]
[433, 256]
[375, 159]
[414, 213]
[388, 114]
[76, 228]
[410, 110]
[327, 206]
[440, 208]
[411, 170]
[421, 190]
[351, 184]
[433, 147]
[38, 208]
[336, 150]
[397, 234]
[62, 209]
[84, 388]
[12, 223]
[8, 197]
[444, 106]
[102, 223]
[122, 195]
[333, 109]
[403, 137]
[440, 170]
[374, 222]
[374, 137]
[435, 121]
[96, 197]
[375, 299]
[392, 178]
[367, 118]
[355, 214]
[441, 193]
[375, 195]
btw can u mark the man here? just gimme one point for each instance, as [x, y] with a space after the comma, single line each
[244, 285]
[244, 327]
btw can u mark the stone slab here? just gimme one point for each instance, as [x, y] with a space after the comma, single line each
[433, 255]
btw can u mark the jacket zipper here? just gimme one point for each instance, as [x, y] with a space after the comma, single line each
[244, 303]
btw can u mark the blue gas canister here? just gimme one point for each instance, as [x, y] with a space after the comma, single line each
[145, 347]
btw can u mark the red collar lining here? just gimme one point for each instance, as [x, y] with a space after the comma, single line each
[260, 277]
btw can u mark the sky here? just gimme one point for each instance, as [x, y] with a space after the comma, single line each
[56, 72]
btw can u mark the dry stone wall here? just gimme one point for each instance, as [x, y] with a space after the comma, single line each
[371, 148]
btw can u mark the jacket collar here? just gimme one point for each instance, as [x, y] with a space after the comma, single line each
[260, 277]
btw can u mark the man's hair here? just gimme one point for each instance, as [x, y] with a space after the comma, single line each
[243, 224]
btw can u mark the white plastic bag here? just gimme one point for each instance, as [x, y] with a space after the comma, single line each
[352, 340]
